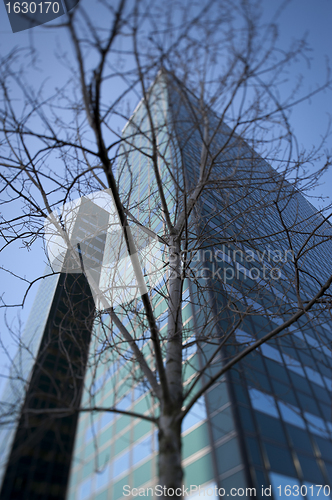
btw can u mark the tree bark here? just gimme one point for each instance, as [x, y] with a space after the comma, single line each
[169, 459]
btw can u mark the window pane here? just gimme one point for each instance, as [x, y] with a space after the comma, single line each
[300, 438]
[263, 402]
[85, 490]
[196, 414]
[310, 469]
[142, 450]
[291, 414]
[280, 459]
[102, 478]
[283, 481]
[121, 464]
[271, 428]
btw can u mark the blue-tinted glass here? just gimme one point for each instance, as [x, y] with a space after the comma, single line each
[255, 360]
[277, 371]
[306, 359]
[263, 402]
[89, 433]
[102, 478]
[85, 489]
[325, 447]
[270, 427]
[246, 419]
[310, 469]
[195, 415]
[291, 414]
[300, 383]
[328, 467]
[299, 438]
[253, 376]
[240, 393]
[316, 424]
[314, 376]
[139, 390]
[280, 459]
[321, 393]
[125, 402]
[271, 352]
[283, 392]
[142, 450]
[284, 487]
[308, 404]
[107, 418]
[253, 451]
[121, 464]
[261, 482]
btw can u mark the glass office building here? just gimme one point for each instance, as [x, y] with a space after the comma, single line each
[268, 420]
[265, 427]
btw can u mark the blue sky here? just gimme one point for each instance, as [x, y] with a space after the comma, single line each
[309, 120]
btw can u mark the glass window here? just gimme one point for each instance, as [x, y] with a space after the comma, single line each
[328, 383]
[246, 419]
[85, 489]
[121, 464]
[316, 424]
[329, 471]
[283, 391]
[291, 414]
[139, 390]
[310, 469]
[102, 478]
[325, 370]
[195, 415]
[243, 337]
[255, 379]
[89, 433]
[254, 360]
[293, 364]
[280, 459]
[308, 404]
[142, 450]
[106, 419]
[271, 352]
[270, 428]
[190, 350]
[277, 371]
[300, 383]
[253, 451]
[314, 376]
[325, 447]
[125, 402]
[241, 394]
[263, 402]
[321, 394]
[306, 359]
[299, 438]
[279, 483]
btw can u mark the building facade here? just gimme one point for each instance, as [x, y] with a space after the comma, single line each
[267, 422]
[255, 246]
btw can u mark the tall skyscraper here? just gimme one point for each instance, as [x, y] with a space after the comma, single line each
[267, 421]
[252, 237]
[48, 369]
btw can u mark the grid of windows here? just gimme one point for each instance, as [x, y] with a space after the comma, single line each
[269, 421]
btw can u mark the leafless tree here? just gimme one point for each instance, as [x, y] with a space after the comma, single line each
[234, 239]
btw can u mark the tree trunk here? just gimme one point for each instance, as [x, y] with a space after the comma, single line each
[169, 460]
